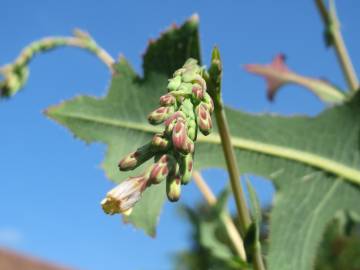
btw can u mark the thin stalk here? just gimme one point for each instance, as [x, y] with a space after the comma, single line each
[80, 40]
[14, 76]
[232, 166]
[214, 88]
[230, 227]
[331, 22]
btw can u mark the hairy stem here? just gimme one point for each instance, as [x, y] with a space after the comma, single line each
[331, 22]
[214, 89]
[232, 166]
[14, 75]
[225, 218]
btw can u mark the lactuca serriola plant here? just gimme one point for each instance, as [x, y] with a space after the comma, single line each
[184, 110]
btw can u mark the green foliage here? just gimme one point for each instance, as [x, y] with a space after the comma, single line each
[211, 245]
[339, 248]
[314, 162]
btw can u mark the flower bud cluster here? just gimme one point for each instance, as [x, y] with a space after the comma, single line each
[184, 110]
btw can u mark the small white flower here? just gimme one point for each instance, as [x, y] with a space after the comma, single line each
[123, 197]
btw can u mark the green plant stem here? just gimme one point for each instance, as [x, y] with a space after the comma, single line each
[213, 78]
[331, 22]
[231, 163]
[231, 230]
[80, 40]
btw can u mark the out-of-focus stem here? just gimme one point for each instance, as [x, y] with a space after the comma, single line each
[226, 219]
[331, 22]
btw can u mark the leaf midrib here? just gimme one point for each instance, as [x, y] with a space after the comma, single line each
[304, 157]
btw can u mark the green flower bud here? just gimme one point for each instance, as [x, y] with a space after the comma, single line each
[161, 169]
[160, 142]
[198, 92]
[203, 119]
[186, 166]
[167, 100]
[160, 115]
[171, 121]
[173, 188]
[179, 137]
[191, 62]
[179, 72]
[188, 76]
[135, 159]
[174, 83]
[192, 130]
[208, 102]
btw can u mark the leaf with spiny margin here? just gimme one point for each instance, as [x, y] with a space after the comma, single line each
[313, 161]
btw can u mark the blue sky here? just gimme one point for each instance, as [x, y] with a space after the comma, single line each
[51, 183]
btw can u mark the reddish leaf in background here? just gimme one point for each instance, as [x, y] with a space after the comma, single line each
[278, 74]
[272, 73]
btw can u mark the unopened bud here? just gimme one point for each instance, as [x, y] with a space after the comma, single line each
[184, 90]
[179, 136]
[208, 102]
[160, 115]
[200, 80]
[174, 83]
[162, 169]
[171, 121]
[135, 159]
[167, 100]
[198, 92]
[192, 130]
[186, 166]
[173, 188]
[203, 119]
[179, 72]
[188, 76]
[160, 142]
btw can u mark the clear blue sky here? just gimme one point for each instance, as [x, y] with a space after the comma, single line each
[51, 183]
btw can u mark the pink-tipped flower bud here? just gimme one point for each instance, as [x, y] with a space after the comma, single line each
[179, 136]
[160, 115]
[135, 159]
[190, 147]
[186, 166]
[171, 121]
[173, 188]
[162, 168]
[208, 102]
[124, 196]
[167, 100]
[160, 142]
[198, 92]
[203, 119]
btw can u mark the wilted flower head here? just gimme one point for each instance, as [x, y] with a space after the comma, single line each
[123, 197]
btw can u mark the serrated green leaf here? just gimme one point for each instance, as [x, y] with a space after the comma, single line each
[314, 162]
